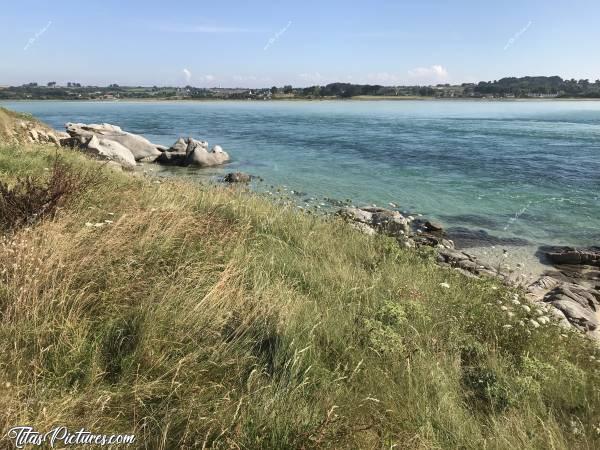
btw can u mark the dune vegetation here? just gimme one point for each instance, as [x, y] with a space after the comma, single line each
[198, 316]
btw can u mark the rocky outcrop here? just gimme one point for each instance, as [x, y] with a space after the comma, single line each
[191, 152]
[573, 256]
[18, 130]
[573, 287]
[571, 293]
[140, 147]
[467, 264]
[580, 306]
[110, 142]
[380, 220]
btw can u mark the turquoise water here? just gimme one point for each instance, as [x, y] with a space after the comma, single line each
[528, 170]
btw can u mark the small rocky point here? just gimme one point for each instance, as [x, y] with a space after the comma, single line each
[570, 292]
[111, 143]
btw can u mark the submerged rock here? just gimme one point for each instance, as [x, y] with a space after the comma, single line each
[574, 256]
[237, 177]
[467, 238]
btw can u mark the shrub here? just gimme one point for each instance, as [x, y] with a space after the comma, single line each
[33, 198]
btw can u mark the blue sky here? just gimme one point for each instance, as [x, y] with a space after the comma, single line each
[264, 43]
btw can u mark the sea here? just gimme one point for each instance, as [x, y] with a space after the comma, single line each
[503, 177]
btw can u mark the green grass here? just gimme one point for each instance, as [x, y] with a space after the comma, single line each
[206, 316]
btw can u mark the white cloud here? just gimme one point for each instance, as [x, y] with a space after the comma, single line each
[429, 75]
[187, 75]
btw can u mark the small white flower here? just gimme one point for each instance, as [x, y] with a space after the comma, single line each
[526, 308]
[89, 224]
[504, 308]
[445, 285]
[507, 326]
[534, 323]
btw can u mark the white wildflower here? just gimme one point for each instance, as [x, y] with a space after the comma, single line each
[445, 285]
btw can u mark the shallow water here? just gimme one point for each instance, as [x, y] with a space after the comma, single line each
[527, 170]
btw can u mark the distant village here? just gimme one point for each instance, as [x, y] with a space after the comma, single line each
[507, 88]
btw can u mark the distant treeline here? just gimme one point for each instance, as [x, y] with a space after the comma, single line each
[526, 86]
[511, 87]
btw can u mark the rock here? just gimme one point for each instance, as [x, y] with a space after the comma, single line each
[140, 147]
[111, 151]
[389, 222]
[180, 146]
[169, 157]
[573, 256]
[237, 177]
[433, 226]
[538, 289]
[198, 155]
[579, 305]
[189, 151]
[384, 221]
[451, 255]
[364, 228]
[356, 215]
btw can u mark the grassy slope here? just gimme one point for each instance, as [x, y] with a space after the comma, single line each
[206, 316]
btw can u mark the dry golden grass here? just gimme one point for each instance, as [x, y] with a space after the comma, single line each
[209, 317]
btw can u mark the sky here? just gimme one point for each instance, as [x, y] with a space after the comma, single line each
[264, 43]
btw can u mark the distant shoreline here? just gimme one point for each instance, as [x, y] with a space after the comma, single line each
[294, 100]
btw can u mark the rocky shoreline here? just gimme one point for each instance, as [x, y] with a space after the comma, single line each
[570, 291]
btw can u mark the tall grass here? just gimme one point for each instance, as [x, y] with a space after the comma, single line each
[205, 317]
